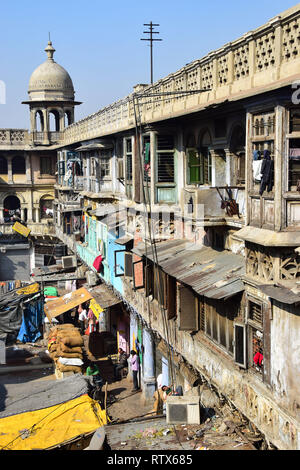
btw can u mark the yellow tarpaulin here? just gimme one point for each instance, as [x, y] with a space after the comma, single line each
[46, 428]
[17, 227]
[95, 307]
[31, 289]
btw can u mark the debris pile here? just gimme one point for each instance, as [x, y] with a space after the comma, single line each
[65, 346]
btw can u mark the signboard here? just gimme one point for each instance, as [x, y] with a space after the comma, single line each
[67, 302]
[95, 307]
[21, 229]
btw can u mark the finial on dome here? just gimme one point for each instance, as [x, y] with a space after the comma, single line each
[50, 50]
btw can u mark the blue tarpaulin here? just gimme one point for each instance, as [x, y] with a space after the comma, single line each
[32, 322]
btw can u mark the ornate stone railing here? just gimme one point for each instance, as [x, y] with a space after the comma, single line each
[257, 60]
[14, 137]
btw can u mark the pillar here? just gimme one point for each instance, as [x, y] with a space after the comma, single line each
[28, 169]
[46, 127]
[9, 170]
[133, 335]
[148, 378]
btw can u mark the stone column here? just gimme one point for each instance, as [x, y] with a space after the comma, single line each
[28, 168]
[148, 378]
[46, 127]
[30, 209]
[9, 170]
[37, 215]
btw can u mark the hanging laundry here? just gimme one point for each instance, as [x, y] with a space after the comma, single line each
[267, 173]
[256, 166]
[294, 153]
[256, 155]
[98, 263]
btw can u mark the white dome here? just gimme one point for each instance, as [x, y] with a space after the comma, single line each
[50, 81]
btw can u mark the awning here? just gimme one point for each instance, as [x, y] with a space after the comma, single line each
[211, 273]
[267, 237]
[104, 210]
[281, 294]
[104, 296]
[67, 302]
[95, 146]
[124, 240]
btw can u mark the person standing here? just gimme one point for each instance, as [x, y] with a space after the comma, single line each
[135, 366]
[82, 318]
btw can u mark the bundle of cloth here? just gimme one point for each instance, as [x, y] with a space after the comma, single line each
[65, 348]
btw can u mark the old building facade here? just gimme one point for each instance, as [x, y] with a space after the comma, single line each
[184, 199]
[28, 168]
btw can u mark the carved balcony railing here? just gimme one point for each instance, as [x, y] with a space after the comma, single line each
[259, 59]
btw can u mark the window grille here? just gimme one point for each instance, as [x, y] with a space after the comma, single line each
[165, 159]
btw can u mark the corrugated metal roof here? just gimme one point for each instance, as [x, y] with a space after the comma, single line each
[104, 296]
[212, 273]
[281, 293]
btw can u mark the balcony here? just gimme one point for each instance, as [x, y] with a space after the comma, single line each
[261, 60]
[46, 138]
[13, 137]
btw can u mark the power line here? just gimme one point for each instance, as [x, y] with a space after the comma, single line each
[151, 39]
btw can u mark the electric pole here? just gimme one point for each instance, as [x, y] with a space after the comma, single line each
[151, 40]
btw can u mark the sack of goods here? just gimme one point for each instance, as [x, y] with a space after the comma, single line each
[65, 348]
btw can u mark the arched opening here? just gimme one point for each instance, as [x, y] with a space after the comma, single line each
[54, 121]
[12, 208]
[68, 118]
[39, 121]
[46, 207]
[18, 165]
[3, 166]
[237, 147]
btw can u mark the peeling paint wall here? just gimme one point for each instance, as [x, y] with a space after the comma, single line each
[267, 410]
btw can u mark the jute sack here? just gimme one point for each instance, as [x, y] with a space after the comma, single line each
[66, 349]
[58, 328]
[72, 341]
[63, 368]
[69, 355]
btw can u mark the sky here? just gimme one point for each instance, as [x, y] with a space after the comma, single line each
[98, 43]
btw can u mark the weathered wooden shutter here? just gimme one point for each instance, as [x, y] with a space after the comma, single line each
[240, 346]
[171, 297]
[188, 310]
[267, 315]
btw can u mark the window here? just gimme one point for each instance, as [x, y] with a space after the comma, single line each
[187, 310]
[18, 165]
[46, 167]
[216, 319]
[165, 159]
[104, 164]
[147, 158]
[256, 346]
[128, 167]
[195, 169]
[3, 166]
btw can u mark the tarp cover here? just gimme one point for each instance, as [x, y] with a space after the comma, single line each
[32, 321]
[49, 427]
[11, 312]
[30, 396]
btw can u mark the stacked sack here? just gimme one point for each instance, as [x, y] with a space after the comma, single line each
[65, 348]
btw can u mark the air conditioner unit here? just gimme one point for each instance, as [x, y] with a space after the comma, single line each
[69, 262]
[183, 410]
[92, 278]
